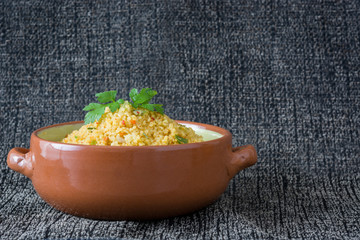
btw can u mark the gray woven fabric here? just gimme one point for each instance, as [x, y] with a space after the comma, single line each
[283, 76]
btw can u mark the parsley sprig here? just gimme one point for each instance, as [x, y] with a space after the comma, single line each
[108, 99]
[143, 98]
[181, 140]
[96, 110]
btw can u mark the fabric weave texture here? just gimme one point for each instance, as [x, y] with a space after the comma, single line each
[281, 75]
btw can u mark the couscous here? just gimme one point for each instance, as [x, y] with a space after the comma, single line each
[130, 126]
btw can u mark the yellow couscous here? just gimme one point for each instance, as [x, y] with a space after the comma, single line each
[129, 126]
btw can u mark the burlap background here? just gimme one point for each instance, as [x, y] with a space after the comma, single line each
[283, 76]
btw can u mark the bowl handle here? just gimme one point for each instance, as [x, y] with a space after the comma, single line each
[242, 157]
[19, 159]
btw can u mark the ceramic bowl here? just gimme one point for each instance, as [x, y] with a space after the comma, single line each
[131, 182]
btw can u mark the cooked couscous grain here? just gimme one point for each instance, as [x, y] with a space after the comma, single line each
[128, 126]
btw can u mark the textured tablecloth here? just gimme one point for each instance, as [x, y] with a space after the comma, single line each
[281, 75]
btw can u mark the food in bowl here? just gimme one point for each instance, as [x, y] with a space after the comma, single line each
[130, 124]
[130, 182]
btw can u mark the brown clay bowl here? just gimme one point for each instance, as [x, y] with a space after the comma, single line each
[130, 183]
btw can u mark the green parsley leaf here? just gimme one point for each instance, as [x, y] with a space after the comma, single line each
[92, 106]
[96, 110]
[145, 95]
[95, 114]
[105, 97]
[181, 140]
[120, 101]
[132, 94]
[93, 142]
[143, 98]
[114, 106]
[149, 107]
[108, 99]
[159, 108]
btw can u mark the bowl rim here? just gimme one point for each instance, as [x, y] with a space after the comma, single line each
[225, 134]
